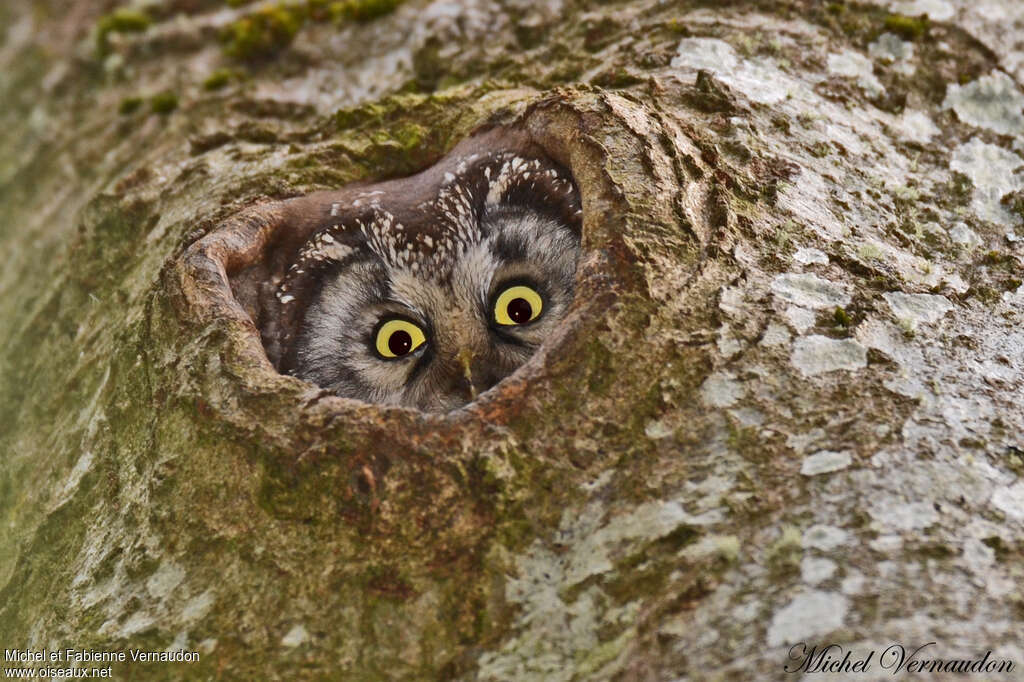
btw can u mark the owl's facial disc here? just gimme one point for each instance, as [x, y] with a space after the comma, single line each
[433, 315]
[516, 305]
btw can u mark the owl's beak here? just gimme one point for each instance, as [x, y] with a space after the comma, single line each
[465, 358]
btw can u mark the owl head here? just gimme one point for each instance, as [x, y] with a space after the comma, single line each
[426, 291]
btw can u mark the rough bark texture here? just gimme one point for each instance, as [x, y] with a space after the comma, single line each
[786, 409]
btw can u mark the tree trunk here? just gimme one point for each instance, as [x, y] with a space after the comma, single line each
[786, 409]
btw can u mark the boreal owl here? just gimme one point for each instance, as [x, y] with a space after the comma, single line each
[428, 290]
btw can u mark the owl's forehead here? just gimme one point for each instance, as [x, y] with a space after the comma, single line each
[464, 285]
[426, 232]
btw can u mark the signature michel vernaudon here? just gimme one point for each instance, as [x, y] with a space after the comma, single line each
[894, 659]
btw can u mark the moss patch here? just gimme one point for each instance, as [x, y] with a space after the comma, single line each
[163, 103]
[122, 20]
[841, 317]
[361, 10]
[271, 28]
[129, 105]
[218, 79]
[264, 32]
[906, 27]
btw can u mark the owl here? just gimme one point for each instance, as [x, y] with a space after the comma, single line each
[428, 290]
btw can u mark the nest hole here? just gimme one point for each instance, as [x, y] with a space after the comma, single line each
[424, 291]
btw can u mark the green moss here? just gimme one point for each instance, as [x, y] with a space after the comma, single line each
[264, 32]
[841, 317]
[125, 20]
[987, 294]
[906, 27]
[163, 103]
[129, 105]
[408, 136]
[400, 133]
[271, 28]
[678, 26]
[361, 10]
[515, 534]
[388, 582]
[744, 440]
[999, 259]
[218, 79]
[122, 20]
[787, 550]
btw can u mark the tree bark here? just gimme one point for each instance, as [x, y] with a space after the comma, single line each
[785, 411]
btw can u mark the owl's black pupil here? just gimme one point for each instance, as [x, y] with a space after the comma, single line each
[400, 342]
[519, 310]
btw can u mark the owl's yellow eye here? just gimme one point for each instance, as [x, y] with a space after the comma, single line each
[396, 338]
[518, 304]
